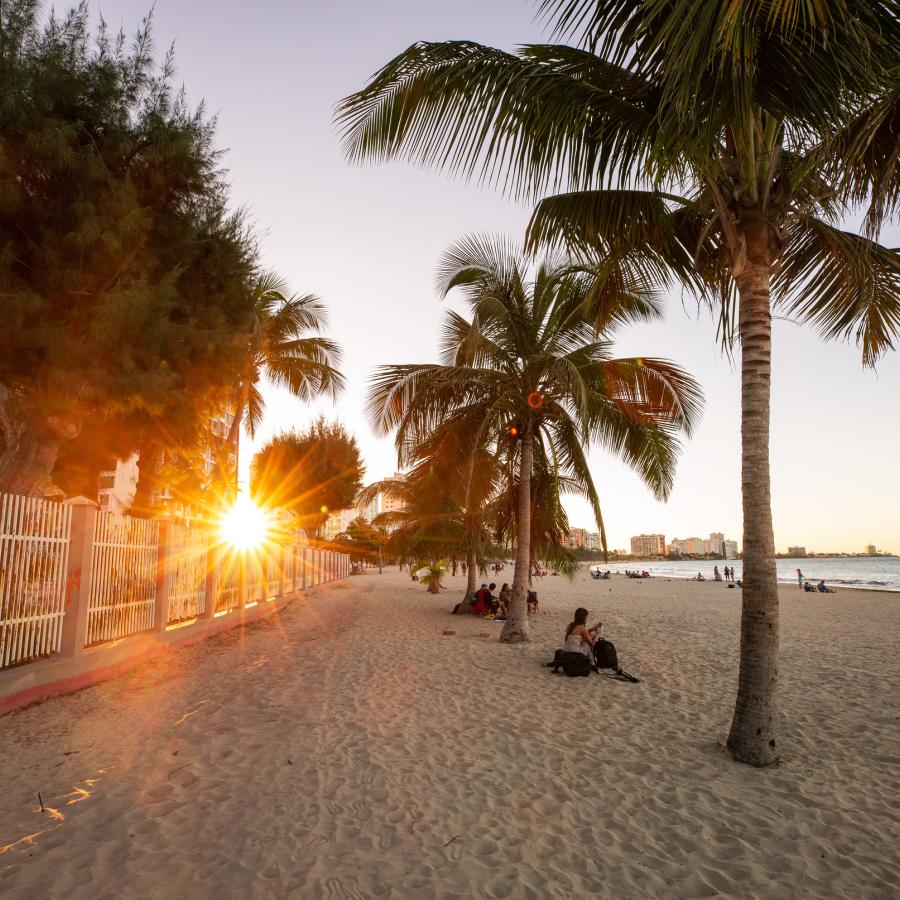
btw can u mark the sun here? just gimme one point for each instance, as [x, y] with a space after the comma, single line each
[244, 526]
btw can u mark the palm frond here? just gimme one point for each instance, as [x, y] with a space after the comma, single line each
[846, 285]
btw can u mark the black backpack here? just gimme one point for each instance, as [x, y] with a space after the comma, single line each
[575, 665]
[605, 656]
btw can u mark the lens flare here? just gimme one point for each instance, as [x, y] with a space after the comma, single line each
[244, 526]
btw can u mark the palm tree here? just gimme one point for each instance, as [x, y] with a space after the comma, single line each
[435, 572]
[306, 366]
[529, 376]
[716, 144]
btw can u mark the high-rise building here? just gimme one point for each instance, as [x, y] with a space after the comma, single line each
[870, 550]
[390, 502]
[716, 543]
[594, 541]
[117, 486]
[796, 551]
[648, 545]
[579, 538]
[338, 522]
[731, 550]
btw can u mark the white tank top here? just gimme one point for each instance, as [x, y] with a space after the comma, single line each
[575, 643]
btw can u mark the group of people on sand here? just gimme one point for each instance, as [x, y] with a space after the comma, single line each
[486, 604]
[806, 585]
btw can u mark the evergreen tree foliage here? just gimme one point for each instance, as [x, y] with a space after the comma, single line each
[309, 473]
[123, 275]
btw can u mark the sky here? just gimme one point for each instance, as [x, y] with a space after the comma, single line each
[368, 239]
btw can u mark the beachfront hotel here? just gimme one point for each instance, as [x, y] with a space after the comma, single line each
[644, 545]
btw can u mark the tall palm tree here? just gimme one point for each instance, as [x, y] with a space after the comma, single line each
[277, 348]
[529, 376]
[716, 144]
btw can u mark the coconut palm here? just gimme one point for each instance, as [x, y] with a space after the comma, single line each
[276, 348]
[446, 499]
[435, 573]
[529, 376]
[717, 144]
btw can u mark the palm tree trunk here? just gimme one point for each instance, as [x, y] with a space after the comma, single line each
[752, 736]
[515, 629]
[468, 602]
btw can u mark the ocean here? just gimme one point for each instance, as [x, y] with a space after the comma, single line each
[876, 573]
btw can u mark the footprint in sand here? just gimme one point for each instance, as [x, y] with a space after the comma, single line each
[387, 837]
[335, 889]
[361, 811]
[314, 843]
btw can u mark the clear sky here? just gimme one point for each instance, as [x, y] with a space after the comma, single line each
[367, 240]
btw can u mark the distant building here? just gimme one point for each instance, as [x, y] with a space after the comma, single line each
[338, 522]
[870, 550]
[218, 446]
[731, 550]
[796, 551]
[648, 545]
[716, 544]
[117, 487]
[594, 541]
[579, 538]
[390, 503]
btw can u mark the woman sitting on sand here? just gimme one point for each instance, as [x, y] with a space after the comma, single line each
[505, 598]
[580, 638]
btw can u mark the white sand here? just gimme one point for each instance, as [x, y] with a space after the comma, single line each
[348, 750]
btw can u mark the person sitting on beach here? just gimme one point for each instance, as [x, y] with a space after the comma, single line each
[823, 588]
[716, 573]
[700, 577]
[482, 606]
[808, 587]
[580, 638]
[532, 603]
[505, 598]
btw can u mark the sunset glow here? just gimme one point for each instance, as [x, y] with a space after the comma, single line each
[245, 525]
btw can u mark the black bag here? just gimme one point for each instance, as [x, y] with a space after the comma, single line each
[605, 656]
[575, 665]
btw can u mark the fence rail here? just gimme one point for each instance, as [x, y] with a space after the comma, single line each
[186, 555]
[34, 546]
[123, 577]
[73, 577]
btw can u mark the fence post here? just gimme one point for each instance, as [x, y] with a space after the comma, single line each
[163, 563]
[78, 576]
[212, 580]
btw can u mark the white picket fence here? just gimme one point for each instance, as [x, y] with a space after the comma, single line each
[186, 554]
[127, 576]
[123, 577]
[34, 546]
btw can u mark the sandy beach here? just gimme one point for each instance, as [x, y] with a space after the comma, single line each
[346, 749]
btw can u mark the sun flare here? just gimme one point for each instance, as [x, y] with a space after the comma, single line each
[244, 526]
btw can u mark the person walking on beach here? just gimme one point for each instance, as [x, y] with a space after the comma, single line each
[800, 579]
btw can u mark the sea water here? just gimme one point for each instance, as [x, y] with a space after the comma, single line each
[877, 573]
